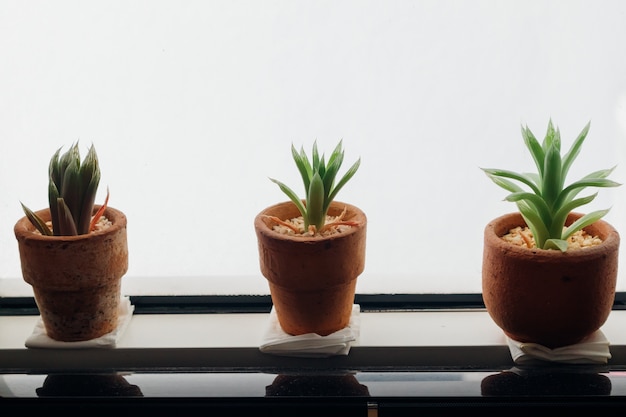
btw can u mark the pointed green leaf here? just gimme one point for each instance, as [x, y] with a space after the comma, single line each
[337, 153]
[574, 188]
[36, 221]
[303, 165]
[331, 173]
[583, 222]
[316, 157]
[321, 168]
[574, 150]
[53, 195]
[292, 196]
[67, 227]
[534, 222]
[346, 177]
[535, 148]
[552, 182]
[88, 181]
[537, 203]
[549, 138]
[71, 192]
[54, 169]
[491, 173]
[556, 244]
[561, 215]
[506, 184]
[316, 215]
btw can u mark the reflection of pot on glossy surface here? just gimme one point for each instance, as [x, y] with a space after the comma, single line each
[316, 385]
[549, 297]
[76, 280]
[545, 383]
[86, 385]
[312, 279]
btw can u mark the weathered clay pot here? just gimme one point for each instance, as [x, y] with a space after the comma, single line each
[548, 297]
[76, 279]
[312, 279]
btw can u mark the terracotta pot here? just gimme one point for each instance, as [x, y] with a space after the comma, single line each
[76, 279]
[548, 297]
[312, 280]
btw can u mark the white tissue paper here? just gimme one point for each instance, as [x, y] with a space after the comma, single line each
[592, 350]
[311, 345]
[39, 338]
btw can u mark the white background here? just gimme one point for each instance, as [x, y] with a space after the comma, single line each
[192, 105]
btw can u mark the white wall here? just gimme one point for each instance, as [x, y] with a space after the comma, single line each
[192, 105]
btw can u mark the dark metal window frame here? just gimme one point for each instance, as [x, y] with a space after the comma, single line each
[232, 304]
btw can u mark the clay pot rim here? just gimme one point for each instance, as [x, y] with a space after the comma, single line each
[24, 229]
[262, 227]
[610, 240]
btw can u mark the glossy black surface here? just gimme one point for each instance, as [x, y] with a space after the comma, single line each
[312, 393]
[512, 382]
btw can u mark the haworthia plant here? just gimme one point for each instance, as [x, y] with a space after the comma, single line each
[318, 178]
[547, 203]
[72, 191]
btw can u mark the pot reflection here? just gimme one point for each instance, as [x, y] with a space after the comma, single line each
[546, 382]
[316, 385]
[80, 385]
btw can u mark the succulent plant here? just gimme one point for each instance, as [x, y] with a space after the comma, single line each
[546, 206]
[319, 183]
[72, 191]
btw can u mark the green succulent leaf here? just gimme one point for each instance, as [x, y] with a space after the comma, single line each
[67, 225]
[535, 223]
[36, 221]
[304, 166]
[572, 190]
[550, 138]
[497, 176]
[561, 215]
[89, 179]
[292, 196]
[346, 177]
[552, 181]
[315, 203]
[603, 173]
[557, 244]
[71, 193]
[571, 155]
[538, 204]
[535, 148]
[583, 222]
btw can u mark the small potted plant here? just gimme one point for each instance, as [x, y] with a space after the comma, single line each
[549, 273]
[74, 253]
[312, 250]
